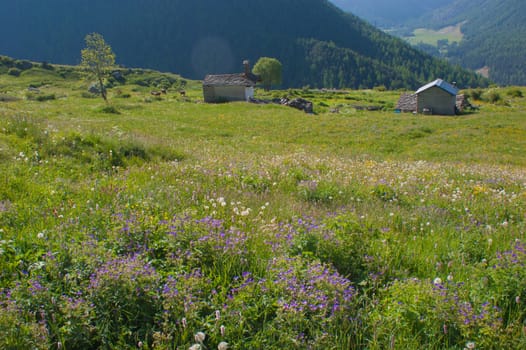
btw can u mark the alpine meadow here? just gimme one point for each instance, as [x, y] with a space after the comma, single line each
[312, 215]
[166, 223]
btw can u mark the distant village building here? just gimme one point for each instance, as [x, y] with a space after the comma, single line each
[437, 97]
[230, 87]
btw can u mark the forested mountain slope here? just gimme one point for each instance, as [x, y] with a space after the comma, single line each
[390, 13]
[494, 36]
[318, 44]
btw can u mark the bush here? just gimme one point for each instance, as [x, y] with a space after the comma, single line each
[120, 94]
[23, 65]
[110, 110]
[475, 94]
[40, 97]
[14, 72]
[87, 94]
[46, 66]
[515, 93]
[8, 98]
[7, 61]
[492, 96]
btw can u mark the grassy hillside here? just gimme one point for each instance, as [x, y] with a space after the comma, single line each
[166, 223]
[451, 34]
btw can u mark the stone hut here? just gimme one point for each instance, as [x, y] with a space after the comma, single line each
[407, 103]
[230, 87]
[437, 97]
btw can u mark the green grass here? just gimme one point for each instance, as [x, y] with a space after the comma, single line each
[452, 34]
[152, 219]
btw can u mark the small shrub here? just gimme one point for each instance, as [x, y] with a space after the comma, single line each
[515, 93]
[153, 99]
[110, 110]
[14, 72]
[476, 94]
[87, 94]
[40, 97]
[120, 94]
[492, 96]
[8, 98]
[23, 65]
[46, 66]
[46, 97]
[6, 61]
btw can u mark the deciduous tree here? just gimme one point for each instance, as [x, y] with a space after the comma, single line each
[98, 58]
[269, 69]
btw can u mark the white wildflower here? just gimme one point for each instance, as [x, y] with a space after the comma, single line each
[222, 346]
[199, 337]
[470, 345]
[437, 280]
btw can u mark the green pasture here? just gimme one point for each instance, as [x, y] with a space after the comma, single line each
[452, 34]
[167, 223]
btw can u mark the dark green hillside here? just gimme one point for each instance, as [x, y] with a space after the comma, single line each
[494, 36]
[389, 13]
[317, 43]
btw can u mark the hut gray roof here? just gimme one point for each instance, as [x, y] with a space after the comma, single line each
[441, 84]
[238, 79]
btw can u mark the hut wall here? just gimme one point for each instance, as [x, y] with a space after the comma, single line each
[249, 93]
[230, 93]
[437, 101]
[209, 94]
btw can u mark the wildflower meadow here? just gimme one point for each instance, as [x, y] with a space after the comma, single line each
[168, 223]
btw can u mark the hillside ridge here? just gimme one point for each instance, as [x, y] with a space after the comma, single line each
[318, 44]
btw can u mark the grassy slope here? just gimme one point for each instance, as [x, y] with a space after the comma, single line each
[430, 36]
[262, 128]
[421, 192]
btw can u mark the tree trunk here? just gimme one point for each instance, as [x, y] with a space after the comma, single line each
[103, 90]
